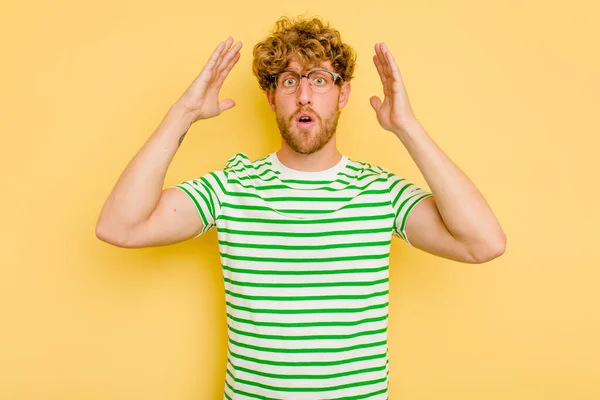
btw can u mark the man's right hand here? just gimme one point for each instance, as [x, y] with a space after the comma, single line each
[202, 97]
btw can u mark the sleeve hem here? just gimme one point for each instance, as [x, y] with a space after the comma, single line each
[403, 229]
[198, 209]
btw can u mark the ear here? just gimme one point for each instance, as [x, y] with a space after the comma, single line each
[344, 95]
[271, 98]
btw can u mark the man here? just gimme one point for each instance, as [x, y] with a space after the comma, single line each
[304, 232]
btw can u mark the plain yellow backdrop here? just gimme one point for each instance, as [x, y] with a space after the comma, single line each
[509, 90]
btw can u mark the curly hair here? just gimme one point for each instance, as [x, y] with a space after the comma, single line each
[311, 41]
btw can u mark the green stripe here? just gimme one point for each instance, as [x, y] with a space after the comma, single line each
[291, 389]
[306, 337]
[363, 396]
[329, 376]
[196, 202]
[304, 298]
[259, 176]
[210, 204]
[306, 260]
[391, 188]
[348, 176]
[400, 192]
[306, 211]
[309, 199]
[256, 396]
[363, 167]
[307, 363]
[309, 182]
[304, 285]
[314, 350]
[307, 310]
[407, 212]
[304, 272]
[306, 221]
[245, 178]
[326, 188]
[360, 178]
[303, 234]
[314, 247]
[307, 324]
[245, 166]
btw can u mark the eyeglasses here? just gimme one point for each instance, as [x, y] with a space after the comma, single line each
[319, 80]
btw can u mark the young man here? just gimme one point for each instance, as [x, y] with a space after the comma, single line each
[304, 232]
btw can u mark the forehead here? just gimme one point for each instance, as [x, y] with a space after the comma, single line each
[295, 65]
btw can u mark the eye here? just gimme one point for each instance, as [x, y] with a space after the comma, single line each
[320, 78]
[289, 82]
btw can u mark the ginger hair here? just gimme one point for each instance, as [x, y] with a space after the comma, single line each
[311, 41]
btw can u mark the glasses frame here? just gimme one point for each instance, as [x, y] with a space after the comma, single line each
[335, 75]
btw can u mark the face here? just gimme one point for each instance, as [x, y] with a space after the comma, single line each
[308, 135]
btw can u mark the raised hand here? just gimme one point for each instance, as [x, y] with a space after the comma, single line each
[395, 112]
[202, 97]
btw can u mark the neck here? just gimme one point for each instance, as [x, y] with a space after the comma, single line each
[320, 160]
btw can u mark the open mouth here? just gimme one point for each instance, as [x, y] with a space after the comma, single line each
[305, 120]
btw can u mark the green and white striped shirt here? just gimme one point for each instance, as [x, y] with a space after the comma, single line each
[305, 264]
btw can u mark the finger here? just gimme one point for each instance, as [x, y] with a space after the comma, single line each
[375, 103]
[226, 62]
[385, 61]
[218, 58]
[381, 57]
[212, 61]
[223, 53]
[395, 71]
[226, 105]
[379, 69]
[225, 72]
[207, 75]
[381, 75]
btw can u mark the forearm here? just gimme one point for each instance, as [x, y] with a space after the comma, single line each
[138, 189]
[462, 207]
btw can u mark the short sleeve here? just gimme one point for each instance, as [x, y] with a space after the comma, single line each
[404, 196]
[207, 193]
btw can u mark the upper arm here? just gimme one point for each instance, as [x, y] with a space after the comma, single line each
[174, 219]
[426, 230]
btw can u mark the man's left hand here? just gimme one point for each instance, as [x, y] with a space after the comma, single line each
[394, 113]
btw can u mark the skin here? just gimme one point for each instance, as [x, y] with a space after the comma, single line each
[455, 223]
[312, 149]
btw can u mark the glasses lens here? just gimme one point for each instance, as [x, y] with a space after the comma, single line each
[288, 81]
[319, 81]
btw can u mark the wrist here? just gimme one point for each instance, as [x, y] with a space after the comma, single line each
[180, 114]
[409, 128]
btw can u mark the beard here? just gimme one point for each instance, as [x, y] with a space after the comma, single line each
[307, 141]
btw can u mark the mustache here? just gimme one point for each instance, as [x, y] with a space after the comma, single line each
[305, 110]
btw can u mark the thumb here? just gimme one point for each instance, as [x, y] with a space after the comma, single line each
[375, 103]
[226, 105]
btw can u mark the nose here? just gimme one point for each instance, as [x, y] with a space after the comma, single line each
[304, 92]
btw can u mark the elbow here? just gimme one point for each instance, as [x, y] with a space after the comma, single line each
[112, 236]
[105, 234]
[490, 251]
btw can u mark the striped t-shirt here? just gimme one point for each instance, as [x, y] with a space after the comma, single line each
[305, 264]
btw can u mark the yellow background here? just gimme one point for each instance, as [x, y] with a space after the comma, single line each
[509, 90]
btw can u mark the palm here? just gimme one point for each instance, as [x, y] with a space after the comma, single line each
[394, 112]
[202, 97]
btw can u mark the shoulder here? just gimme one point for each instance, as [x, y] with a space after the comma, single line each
[240, 161]
[365, 169]
[240, 166]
